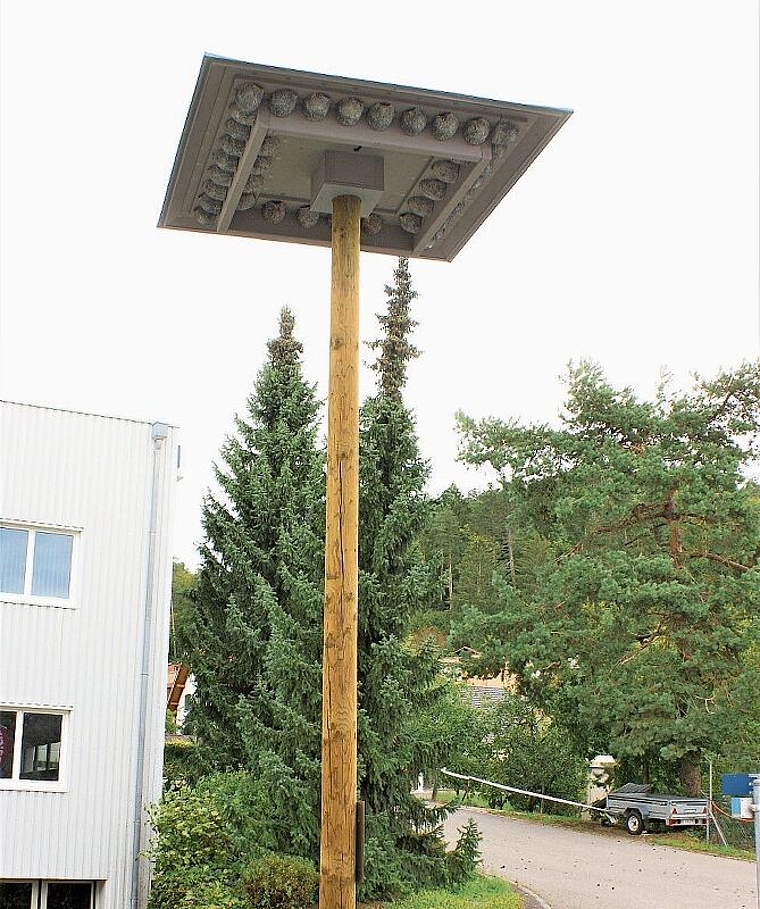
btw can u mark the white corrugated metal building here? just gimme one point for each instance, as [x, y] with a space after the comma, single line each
[85, 585]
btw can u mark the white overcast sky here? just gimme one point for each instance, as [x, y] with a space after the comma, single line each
[632, 240]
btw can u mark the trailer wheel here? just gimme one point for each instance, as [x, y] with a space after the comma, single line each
[634, 823]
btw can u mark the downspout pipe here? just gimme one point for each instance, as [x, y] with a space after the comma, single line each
[159, 434]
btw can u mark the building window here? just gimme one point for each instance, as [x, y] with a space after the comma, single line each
[30, 747]
[36, 563]
[69, 895]
[17, 895]
[47, 895]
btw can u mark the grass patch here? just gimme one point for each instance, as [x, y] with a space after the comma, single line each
[467, 800]
[476, 800]
[691, 843]
[481, 892]
[549, 820]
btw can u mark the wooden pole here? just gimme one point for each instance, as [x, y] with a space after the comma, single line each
[337, 886]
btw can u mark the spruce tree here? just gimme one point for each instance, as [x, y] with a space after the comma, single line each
[254, 633]
[253, 637]
[399, 687]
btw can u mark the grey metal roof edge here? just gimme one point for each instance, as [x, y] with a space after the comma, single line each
[87, 413]
[553, 118]
[349, 82]
[194, 102]
[499, 197]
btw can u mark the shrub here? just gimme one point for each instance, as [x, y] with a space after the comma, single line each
[280, 882]
[192, 846]
[212, 895]
[204, 836]
[191, 830]
[178, 762]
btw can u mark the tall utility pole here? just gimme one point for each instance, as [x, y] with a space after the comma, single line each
[341, 616]
[284, 155]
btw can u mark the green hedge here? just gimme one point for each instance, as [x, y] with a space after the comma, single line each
[280, 882]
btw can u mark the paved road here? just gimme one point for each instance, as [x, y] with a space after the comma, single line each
[569, 869]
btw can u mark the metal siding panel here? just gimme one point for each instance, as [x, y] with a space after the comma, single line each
[94, 473]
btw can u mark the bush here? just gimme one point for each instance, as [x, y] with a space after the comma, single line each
[191, 830]
[280, 882]
[212, 895]
[178, 762]
[192, 847]
[204, 836]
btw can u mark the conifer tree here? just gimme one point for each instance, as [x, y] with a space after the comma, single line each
[638, 629]
[398, 687]
[254, 634]
[253, 637]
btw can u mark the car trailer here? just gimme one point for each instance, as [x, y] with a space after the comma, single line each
[634, 806]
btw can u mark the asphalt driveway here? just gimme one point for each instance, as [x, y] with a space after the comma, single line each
[570, 869]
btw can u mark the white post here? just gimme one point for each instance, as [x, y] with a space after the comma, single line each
[709, 805]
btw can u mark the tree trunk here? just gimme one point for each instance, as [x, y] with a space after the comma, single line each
[689, 774]
[511, 554]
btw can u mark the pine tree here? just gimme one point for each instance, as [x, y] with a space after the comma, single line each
[253, 637]
[638, 629]
[398, 687]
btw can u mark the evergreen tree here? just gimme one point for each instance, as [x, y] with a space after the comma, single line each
[638, 630]
[253, 635]
[398, 686]
[396, 350]
[466, 541]
[443, 541]
[183, 582]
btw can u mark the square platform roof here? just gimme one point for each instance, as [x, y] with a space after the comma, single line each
[256, 137]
